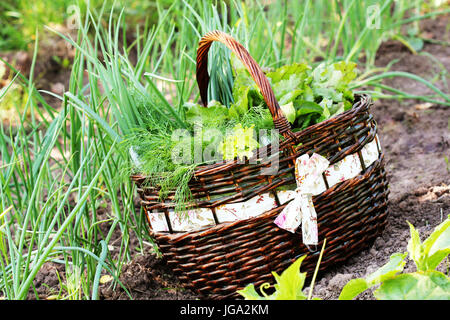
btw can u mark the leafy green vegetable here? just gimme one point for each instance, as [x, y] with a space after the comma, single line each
[290, 284]
[288, 82]
[285, 72]
[288, 90]
[337, 76]
[214, 115]
[289, 111]
[245, 92]
[305, 107]
[326, 105]
[323, 90]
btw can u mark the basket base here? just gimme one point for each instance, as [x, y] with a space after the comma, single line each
[218, 261]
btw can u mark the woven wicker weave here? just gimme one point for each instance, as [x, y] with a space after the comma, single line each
[218, 260]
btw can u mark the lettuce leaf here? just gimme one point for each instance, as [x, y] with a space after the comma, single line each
[315, 94]
[214, 115]
[285, 72]
[288, 81]
[289, 111]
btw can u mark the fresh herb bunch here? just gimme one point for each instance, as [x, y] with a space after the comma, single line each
[150, 148]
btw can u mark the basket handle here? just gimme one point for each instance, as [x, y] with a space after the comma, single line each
[279, 120]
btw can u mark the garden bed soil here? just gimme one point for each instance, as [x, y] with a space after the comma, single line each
[415, 137]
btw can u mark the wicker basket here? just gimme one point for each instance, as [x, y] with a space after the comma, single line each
[220, 259]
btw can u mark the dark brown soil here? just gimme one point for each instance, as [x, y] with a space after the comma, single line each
[148, 278]
[416, 141]
[48, 281]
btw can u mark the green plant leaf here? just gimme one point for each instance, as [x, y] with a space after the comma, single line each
[241, 104]
[332, 81]
[305, 120]
[348, 72]
[240, 143]
[437, 246]
[353, 288]
[244, 89]
[289, 111]
[356, 286]
[308, 94]
[285, 72]
[288, 81]
[414, 247]
[429, 285]
[249, 293]
[305, 107]
[389, 270]
[214, 115]
[326, 105]
[429, 254]
[435, 259]
[289, 285]
[288, 87]
[236, 65]
[336, 109]
[290, 96]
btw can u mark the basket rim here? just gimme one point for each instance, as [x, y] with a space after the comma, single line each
[362, 101]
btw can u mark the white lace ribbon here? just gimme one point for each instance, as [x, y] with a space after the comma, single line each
[300, 211]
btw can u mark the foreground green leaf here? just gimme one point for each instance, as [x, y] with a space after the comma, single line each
[289, 285]
[437, 245]
[249, 293]
[429, 254]
[356, 286]
[429, 285]
[414, 247]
